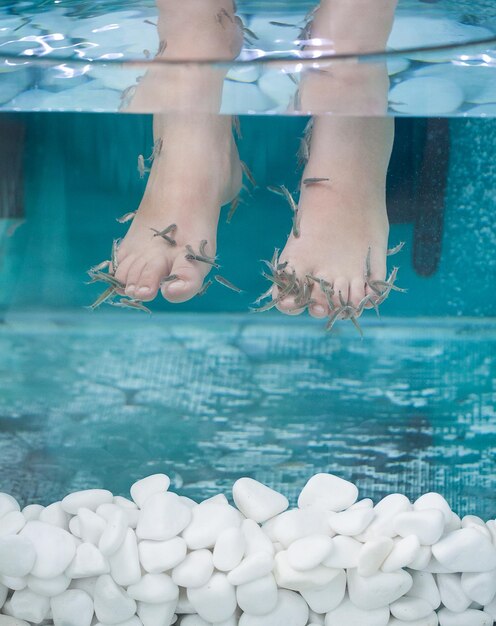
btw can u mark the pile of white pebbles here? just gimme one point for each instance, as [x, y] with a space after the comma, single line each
[95, 559]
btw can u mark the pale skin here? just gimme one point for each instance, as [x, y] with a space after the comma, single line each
[340, 219]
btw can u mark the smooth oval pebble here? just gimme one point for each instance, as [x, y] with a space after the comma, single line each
[195, 570]
[423, 558]
[296, 524]
[8, 504]
[424, 586]
[426, 96]
[157, 614]
[259, 596]
[308, 552]
[385, 511]
[11, 523]
[112, 605]
[88, 561]
[32, 511]
[154, 589]
[7, 620]
[255, 539]
[88, 499]
[72, 608]
[291, 610]
[452, 595]
[328, 492]
[251, 567]
[434, 501]
[160, 556]
[229, 549]
[328, 598]
[465, 550]
[378, 590]
[124, 564]
[208, 520]
[348, 614]
[17, 556]
[91, 525]
[215, 601]
[470, 617]
[373, 554]
[48, 586]
[351, 522]
[16, 583]
[289, 578]
[480, 587]
[344, 554]
[30, 606]
[162, 517]
[430, 620]
[114, 534]
[427, 525]
[142, 489]
[257, 501]
[55, 514]
[410, 609]
[403, 553]
[54, 547]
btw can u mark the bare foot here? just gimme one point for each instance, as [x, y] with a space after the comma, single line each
[197, 169]
[343, 218]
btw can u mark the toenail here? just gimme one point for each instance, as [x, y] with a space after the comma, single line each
[143, 290]
[177, 285]
[130, 288]
[318, 310]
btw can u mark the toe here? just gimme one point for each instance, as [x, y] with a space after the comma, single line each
[288, 306]
[133, 275]
[123, 268]
[149, 280]
[320, 308]
[357, 291]
[189, 280]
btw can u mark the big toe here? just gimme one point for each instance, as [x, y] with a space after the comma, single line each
[188, 282]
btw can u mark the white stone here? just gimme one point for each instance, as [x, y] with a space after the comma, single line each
[255, 538]
[426, 524]
[430, 620]
[114, 534]
[328, 492]
[473, 521]
[351, 522]
[344, 554]
[16, 583]
[490, 609]
[378, 590]
[154, 589]
[229, 549]
[48, 586]
[91, 526]
[72, 608]
[296, 524]
[85, 584]
[452, 595]
[278, 86]
[11, 523]
[422, 559]
[88, 562]
[208, 520]
[434, 501]
[385, 511]
[246, 73]
[308, 552]
[410, 609]
[195, 570]
[291, 610]
[404, 552]
[251, 567]
[55, 548]
[426, 96]
[142, 489]
[484, 110]
[124, 564]
[157, 614]
[133, 621]
[8, 504]
[424, 586]
[17, 556]
[373, 554]
[465, 550]
[75, 526]
[160, 556]
[289, 578]
[55, 514]
[3, 594]
[239, 98]
[193, 620]
[32, 511]
[455, 523]
[162, 517]
[480, 587]
[88, 499]
[348, 614]
[259, 596]
[30, 606]
[112, 605]
[216, 600]
[257, 501]
[470, 617]
[7, 620]
[328, 598]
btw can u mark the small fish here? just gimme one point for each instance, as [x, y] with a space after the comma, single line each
[281, 266]
[165, 234]
[162, 47]
[232, 209]
[169, 279]
[156, 150]
[127, 217]
[106, 278]
[248, 174]
[192, 256]
[142, 169]
[266, 307]
[249, 33]
[204, 289]
[368, 269]
[396, 249]
[385, 285]
[108, 293]
[292, 78]
[131, 304]
[275, 279]
[282, 24]
[203, 247]
[147, 54]
[11, 230]
[314, 181]
[101, 266]
[356, 324]
[227, 283]
[115, 250]
[237, 126]
[303, 152]
[264, 296]
[150, 22]
[341, 300]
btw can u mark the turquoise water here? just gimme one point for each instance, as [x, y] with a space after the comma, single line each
[208, 392]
